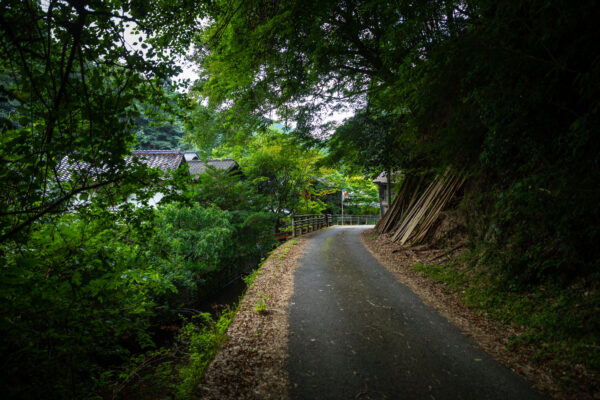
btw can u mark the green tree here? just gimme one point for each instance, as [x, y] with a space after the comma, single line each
[72, 298]
[279, 169]
[78, 291]
[152, 135]
[363, 193]
[370, 144]
[300, 57]
[246, 207]
[207, 128]
[500, 89]
[74, 82]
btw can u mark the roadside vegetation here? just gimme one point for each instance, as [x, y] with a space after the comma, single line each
[101, 296]
[98, 294]
[557, 325]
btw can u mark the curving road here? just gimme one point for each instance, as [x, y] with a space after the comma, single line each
[357, 333]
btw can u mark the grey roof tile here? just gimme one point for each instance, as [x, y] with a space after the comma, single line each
[164, 159]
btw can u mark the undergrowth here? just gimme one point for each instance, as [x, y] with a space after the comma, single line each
[561, 323]
[176, 371]
[202, 342]
[204, 339]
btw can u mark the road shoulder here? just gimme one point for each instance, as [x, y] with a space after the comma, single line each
[252, 363]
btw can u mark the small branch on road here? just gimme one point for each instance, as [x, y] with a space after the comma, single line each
[375, 305]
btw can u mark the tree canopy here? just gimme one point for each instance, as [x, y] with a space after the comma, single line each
[302, 58]
[504, 90]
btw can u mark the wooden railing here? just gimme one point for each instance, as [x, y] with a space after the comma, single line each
[302, 224]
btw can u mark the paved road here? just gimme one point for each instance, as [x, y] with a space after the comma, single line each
[359, 334]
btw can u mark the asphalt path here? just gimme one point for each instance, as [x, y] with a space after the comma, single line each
[357, 333]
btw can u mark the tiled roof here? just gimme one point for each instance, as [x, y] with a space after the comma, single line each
[163, 159]
[66, 168]
[199, 167]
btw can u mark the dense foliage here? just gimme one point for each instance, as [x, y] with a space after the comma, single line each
[72, 298]
[152, 135]
[511, 96]
[506, 90]
[93, 287]
[90, 281]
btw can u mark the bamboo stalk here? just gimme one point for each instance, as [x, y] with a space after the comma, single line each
[434, 208]
[413, 211]
[391, 213]
[422, 210]
[452, 186]
[405, 207]
[432, 214]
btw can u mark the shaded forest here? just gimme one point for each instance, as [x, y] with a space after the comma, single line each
[504, 93]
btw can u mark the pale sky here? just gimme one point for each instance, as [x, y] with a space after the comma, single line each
[189, 72]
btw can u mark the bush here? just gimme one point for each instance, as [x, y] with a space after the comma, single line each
[202, 341]
[87, 294]
[76, 299]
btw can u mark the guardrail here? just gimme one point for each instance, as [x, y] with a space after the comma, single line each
[302, 224]
[355, 219]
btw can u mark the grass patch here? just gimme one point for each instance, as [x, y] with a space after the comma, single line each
[202, 341]
[175, 371]
[260, 307]
[561, 323]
